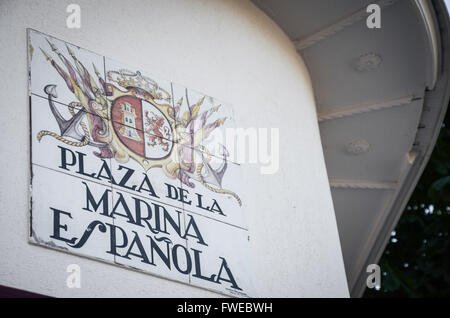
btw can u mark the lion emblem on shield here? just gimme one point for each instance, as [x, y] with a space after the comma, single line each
[156, 130]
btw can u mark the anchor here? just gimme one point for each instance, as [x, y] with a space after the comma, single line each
[215, 176]
[68, 127]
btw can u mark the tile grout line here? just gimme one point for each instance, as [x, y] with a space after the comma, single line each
[181, 183]
[110, 159]
[113, 187]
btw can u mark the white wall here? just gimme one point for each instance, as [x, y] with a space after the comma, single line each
[227, 49]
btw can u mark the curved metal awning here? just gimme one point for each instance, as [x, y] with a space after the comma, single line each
[381, 95]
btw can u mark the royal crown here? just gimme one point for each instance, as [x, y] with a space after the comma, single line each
[129, 79]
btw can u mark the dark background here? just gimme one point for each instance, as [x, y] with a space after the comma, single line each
[416, 262]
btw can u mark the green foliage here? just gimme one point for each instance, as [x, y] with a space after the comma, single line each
[416, 262]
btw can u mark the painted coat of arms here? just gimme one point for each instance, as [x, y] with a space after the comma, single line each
[131, 116]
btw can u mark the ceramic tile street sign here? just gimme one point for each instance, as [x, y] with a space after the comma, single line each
[121, 171]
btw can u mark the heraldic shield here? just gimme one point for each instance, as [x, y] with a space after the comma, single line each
[142, 127]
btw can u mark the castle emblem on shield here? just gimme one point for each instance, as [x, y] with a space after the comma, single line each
[129, 116]
[128, 130]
